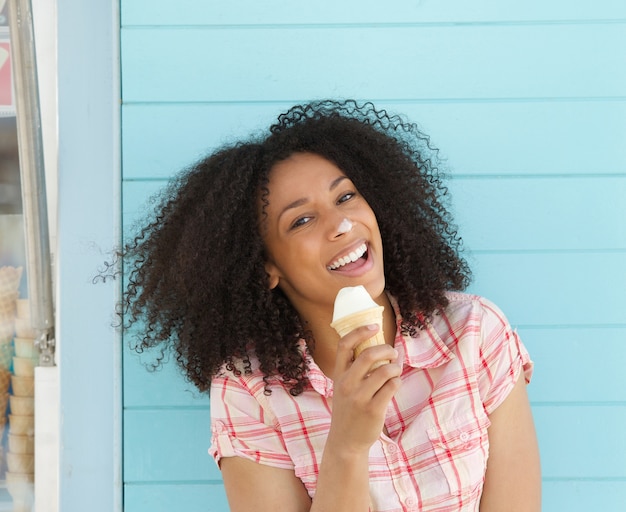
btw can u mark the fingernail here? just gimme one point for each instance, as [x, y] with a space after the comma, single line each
[372, 327]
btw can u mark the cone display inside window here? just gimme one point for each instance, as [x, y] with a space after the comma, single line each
[17, 389]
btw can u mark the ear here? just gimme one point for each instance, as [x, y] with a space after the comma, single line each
[273, 276]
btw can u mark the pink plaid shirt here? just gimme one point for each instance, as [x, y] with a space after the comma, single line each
[455, 373]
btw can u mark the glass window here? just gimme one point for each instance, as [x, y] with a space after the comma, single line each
[17, 348]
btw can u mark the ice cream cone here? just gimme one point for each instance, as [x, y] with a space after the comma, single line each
[21, 487]
[24, 366]
[21, 405]
[5, 380]
[4, 401]
[23, 328]
[369, 316]
[22, 386]
[22, 308]
[9, 285]
[7, 305]
[22, 425]
[20, 462]
[25, 347]
[21, 444]
[19, 478]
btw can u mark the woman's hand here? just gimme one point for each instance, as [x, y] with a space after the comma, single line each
[360, 401]
[361, 395]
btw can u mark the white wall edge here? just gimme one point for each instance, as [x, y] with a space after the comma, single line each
[46, 439]
[118, 389]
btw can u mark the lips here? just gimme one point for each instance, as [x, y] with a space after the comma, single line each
[349, 259]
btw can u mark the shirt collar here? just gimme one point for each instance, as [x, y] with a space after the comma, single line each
[422, 349]
[317, 378]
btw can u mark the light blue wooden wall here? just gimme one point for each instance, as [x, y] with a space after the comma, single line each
[527, 101]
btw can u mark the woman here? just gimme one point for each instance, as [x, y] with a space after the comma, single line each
[239, 271]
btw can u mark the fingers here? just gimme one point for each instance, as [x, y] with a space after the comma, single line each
[376, 382]
[368, 363]
[347, 344]
[367, 394]
[390, 376]
[361, 392]
[374, 357]
[367, 375]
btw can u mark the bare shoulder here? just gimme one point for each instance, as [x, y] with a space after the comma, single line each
[257, 487]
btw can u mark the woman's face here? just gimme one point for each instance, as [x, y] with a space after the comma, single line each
[320, 234]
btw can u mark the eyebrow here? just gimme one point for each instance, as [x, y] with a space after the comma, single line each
[299, 202]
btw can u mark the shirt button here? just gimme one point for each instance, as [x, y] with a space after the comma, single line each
[464, 437]
[410, 502]
[392, 448]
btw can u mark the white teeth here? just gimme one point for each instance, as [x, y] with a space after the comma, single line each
[349, 258]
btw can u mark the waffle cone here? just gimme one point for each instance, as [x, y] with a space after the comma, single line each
[369, 316]
[9, 286]
[4, 401]
[21, 386]
[7, 328]
[5, 380]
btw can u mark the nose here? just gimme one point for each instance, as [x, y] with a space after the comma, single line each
[345, 226]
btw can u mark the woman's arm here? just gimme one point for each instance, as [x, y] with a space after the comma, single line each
[513, 479]
[257, 487]
[360, 400]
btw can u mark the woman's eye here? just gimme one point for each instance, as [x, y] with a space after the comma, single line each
[300, 222]
[346, 197]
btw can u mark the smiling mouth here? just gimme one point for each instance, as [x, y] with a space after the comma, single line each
[353, 256]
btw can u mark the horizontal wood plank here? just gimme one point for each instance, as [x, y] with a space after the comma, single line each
[163, 387]
[582, 442]
[165, 497]
[250, 12]
[289, 64]
[521, 214]
[137, 203]
[507, 137]
[584, 496]
[591, 377]
[168, 445]
[570, 495]
[571, 365]
[496, 214]
[554, 289]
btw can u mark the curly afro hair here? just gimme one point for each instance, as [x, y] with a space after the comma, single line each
[196, 269]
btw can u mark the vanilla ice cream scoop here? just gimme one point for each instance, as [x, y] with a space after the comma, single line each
[354, 308]
[352, 299]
